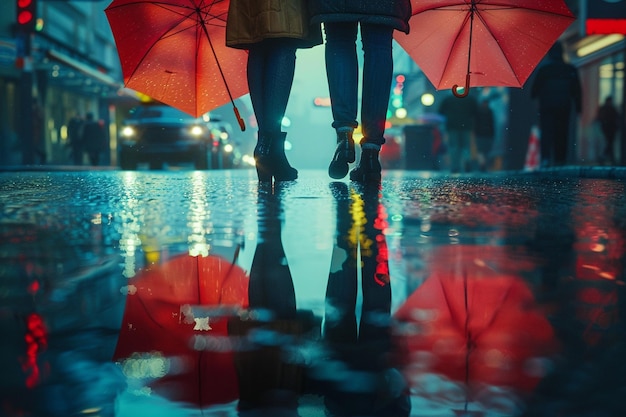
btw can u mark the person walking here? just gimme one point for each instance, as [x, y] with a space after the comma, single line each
[484, 134]
[557, 88]
[271, 31]
[75, 138]
[608, 118]
[460, 114]
[93, 139]
[376, 21]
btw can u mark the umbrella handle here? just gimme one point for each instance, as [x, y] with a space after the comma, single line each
[465, 92]
[242, 124]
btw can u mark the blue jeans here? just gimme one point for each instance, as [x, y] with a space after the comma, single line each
[271, 67]
[342, 70]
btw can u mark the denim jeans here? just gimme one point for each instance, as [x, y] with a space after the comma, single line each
[271, 67]
[342, 70]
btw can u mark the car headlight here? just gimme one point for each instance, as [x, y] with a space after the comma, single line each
[196, 131]
[128, 132]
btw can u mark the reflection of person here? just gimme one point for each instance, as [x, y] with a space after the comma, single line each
[376, 21]
[484, 133]
[460, 114]
[368, 384]
[608, 117]
[270, 379]
[558, 90]
[94, 140]
[74, 138]
[271, 31]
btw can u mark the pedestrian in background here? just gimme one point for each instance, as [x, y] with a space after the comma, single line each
[75, 138]
[376, 21]
[558, 90]
[484, 134]
[271, 31]
[94, 139]
[608, 118]
[460, 114]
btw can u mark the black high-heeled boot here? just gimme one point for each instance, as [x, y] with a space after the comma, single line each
[270, 158]
[369, 168]
[344, 154]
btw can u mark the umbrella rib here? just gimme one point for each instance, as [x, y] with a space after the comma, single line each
[508, 7]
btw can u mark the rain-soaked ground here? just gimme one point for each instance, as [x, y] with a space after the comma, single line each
[187, 293]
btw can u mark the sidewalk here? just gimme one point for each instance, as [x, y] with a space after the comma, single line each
[579, 171]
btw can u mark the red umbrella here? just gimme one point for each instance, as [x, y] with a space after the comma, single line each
[175, 51]
[175, 312]
[474, 324]
[484, 42]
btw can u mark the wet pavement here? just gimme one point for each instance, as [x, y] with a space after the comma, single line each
[183, 293]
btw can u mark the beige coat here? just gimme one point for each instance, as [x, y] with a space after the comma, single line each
[251, 21]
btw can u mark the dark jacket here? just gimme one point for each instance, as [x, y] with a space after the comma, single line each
[394, 13]
[251, 21]
[556, 84]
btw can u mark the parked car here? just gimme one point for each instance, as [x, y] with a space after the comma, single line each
[159, 134]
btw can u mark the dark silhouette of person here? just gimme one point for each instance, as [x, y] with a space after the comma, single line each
[368, 384]
[557, 88]
[484, 134]
[93, 139]
[75, 138]
[460, 114]
[608, 118]
[271, 377]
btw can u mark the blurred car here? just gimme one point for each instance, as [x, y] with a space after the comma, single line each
[159, 134]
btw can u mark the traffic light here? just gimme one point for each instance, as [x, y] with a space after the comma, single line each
[26, 16]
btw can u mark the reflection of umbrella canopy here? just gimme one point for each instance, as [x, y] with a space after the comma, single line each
[483, 42]
[174, 312]
[175, 52]
[474, 325]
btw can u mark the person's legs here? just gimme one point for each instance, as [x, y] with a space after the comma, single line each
[342, 71]
[271, 68]
[377, 75]
[561, 138]
[547, 137]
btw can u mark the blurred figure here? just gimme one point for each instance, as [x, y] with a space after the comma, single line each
[460, 114]
[608, 117]
[271, 379]
[558, 90]
[38, 131]
[93, 139]
[484, 134]
[75, 138]
[367, 383]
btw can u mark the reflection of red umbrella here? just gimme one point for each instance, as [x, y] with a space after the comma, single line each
[473, 324]
[175, 52]
[174, 313]
[484, 42]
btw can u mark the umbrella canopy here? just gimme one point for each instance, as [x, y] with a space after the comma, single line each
[175, 51]
[174, 313]
[482, 42]
[473, 324]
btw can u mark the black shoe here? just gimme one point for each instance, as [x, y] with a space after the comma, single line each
[344, 154]
[270, 159]
[368, 170]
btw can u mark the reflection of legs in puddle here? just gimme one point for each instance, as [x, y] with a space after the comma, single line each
[364, 387]
[269, 383]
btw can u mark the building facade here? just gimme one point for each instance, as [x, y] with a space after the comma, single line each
[66, 65]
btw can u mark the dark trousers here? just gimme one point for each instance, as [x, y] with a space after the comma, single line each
[271, 67]
[342, 70]
[555, 129]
